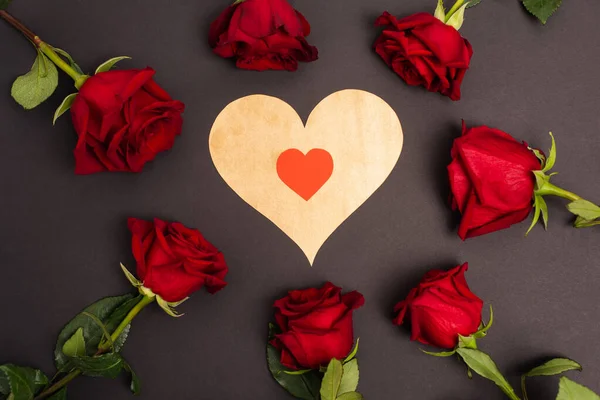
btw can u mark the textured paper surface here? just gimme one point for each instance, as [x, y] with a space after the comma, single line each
[253, 135]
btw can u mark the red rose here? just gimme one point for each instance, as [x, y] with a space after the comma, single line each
[123, 119]
[441, 308]
[424, 51]
[261, 35]
[174, 261]
[491, 180]
[316, 326]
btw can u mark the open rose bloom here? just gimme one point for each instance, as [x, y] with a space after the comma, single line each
[262, 35]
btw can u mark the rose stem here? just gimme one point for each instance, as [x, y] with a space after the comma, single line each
[44, 48]
[552, 190]
[102, 348]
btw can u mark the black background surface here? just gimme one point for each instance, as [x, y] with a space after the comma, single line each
[62, 236]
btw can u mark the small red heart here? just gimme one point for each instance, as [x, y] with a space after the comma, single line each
[305, 174]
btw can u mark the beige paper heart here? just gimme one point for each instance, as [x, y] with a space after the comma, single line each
[360, 131]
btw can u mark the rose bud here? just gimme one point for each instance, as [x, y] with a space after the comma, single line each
[316, 326]
[174, 261]
[123, 119]
[426, 51]
[491, 180]
[441, 307]
[262, 35]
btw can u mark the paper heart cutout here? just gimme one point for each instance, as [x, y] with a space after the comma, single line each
[305, 174]
[359, 130]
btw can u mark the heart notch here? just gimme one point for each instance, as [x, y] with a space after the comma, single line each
[306, 179]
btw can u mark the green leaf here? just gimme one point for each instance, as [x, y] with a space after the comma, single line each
[536, 214]
[136, 385]
[120, 342]
[75, 346]
[551, 160]
[584, 223]
[440, 11]
[107, 65]
[457, 19]
[24, 382]
[483, 365]
[473, 3]
[349, 377]
[569, 390]
[33, 88]
[305, 386]
[542, 9]
[554, 367]
[106, 365]
[585, 209]
[353, 352]
[64, 106]
[4, 385]
[4, 4]
[350, 396]
[110, 310]
[60, 395]
[332, 380]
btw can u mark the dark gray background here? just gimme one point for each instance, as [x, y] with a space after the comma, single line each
[62, 236]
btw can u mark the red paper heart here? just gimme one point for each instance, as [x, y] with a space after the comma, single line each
[305, 174]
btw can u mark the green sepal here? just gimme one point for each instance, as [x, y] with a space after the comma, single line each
[536, 213]
[130, 277]
[107, 365]
[551, 160]
[22, 382]
[75, 346]
[484, 366]
[482, 332]
[332, 380]
[4, 4]
[440, 11]
[540, 179]
[107, 65]
[468, 342]
[353, 353]
[350, 377]
[305, 386]
[135, 385]
[473, 3]
[569, 390]
[36, 86]
[64, 107]
[168, 307]
[110, 311]
[300, 372]
[542, 9]
[440, 353]
[457, 19]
